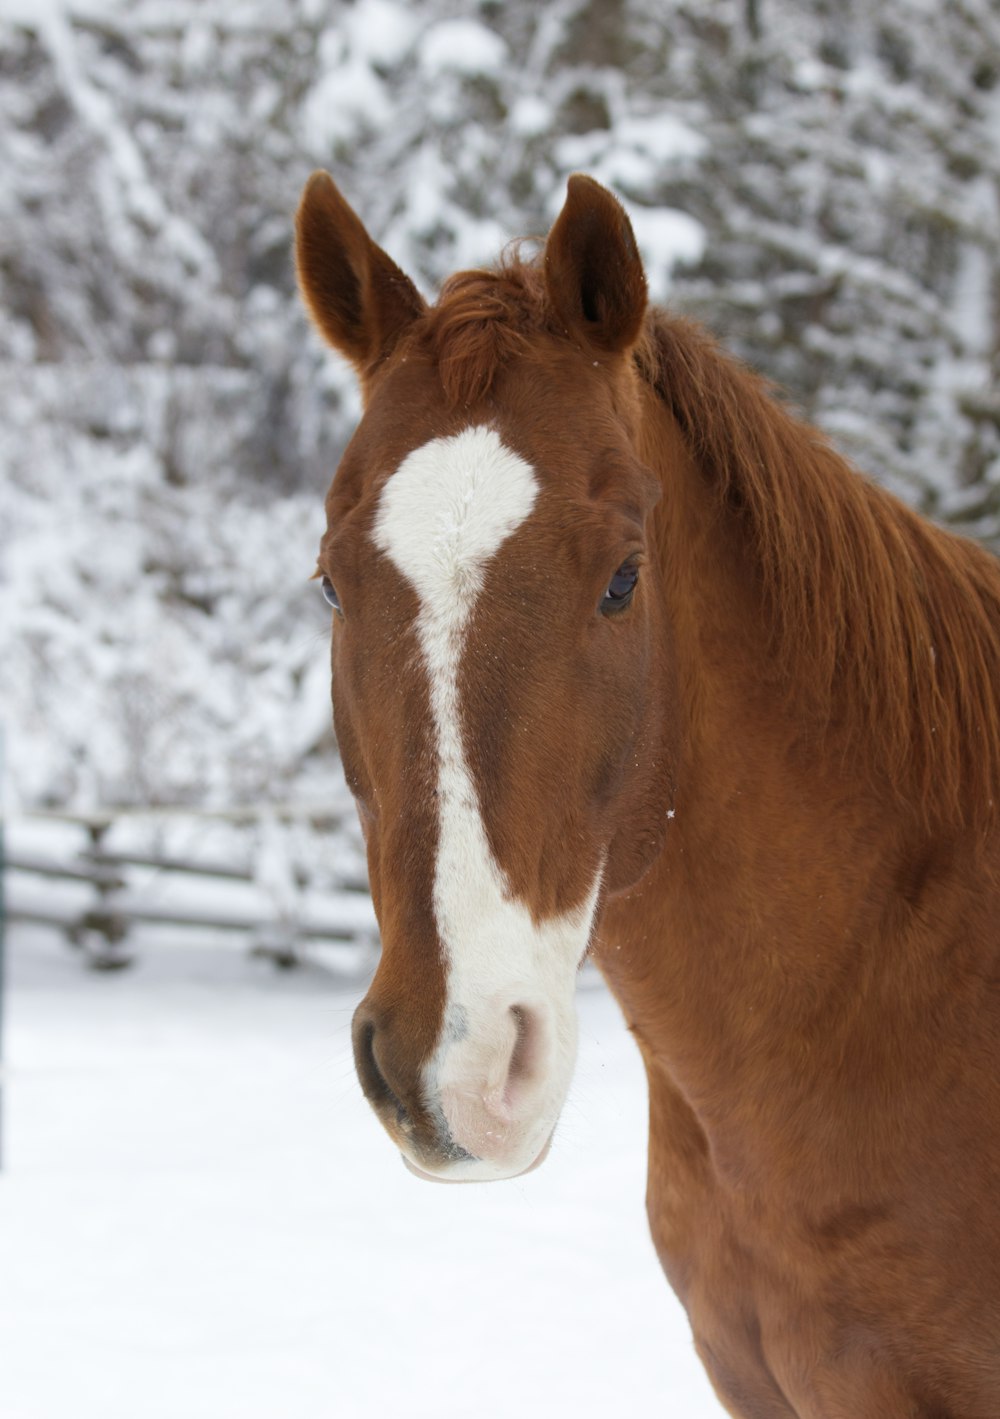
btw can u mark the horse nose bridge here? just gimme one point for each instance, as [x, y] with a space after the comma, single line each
[402, 855]
[494, 1038]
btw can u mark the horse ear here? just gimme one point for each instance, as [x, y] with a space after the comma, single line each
[357, 296]
[593, 270]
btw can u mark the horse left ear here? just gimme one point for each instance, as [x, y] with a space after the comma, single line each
[593, 270]
[357, 296]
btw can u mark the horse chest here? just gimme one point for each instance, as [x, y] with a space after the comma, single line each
[792, 1326]
[770, 1349]
[716, 1276]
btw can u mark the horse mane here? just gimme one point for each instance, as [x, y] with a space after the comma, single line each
[891, 623]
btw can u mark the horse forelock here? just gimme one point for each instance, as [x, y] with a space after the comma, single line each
[481, 321]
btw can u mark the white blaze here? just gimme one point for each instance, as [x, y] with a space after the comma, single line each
[443, 515]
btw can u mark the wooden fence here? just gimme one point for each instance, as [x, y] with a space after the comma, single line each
[101, 895]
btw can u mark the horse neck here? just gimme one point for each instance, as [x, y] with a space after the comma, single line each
[784, 859]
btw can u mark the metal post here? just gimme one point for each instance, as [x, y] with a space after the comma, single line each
[3, 933]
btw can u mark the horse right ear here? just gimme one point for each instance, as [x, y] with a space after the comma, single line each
[593, 270]
[357, 296]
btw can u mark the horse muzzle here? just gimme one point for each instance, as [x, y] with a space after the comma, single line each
[484, 1106]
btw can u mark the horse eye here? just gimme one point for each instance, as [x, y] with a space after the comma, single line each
[620, 588]
[330, 593]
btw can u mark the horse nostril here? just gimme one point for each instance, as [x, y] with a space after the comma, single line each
[376, 1086]
[364, 1058]
[525, 1057]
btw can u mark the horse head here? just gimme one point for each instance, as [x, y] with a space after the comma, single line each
[500, 684]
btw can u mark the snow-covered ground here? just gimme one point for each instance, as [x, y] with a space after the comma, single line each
[200, 1219]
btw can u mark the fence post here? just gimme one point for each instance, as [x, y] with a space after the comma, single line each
[103, 929]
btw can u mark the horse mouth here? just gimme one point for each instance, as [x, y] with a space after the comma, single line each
[465, 1172]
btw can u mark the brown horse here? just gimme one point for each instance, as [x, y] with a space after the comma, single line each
[627, 659]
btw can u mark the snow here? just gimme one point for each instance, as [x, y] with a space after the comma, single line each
[666, 239]
[663, 136]
[346, 99]
[463, 47]
[530, 116]
[972, 313]
[380, 30]
[145, 612]
[199, 1216]
[634, 151]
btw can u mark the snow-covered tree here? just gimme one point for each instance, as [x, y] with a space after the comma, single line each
[817, 182]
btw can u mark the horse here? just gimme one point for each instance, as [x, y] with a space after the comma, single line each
[628, 661]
